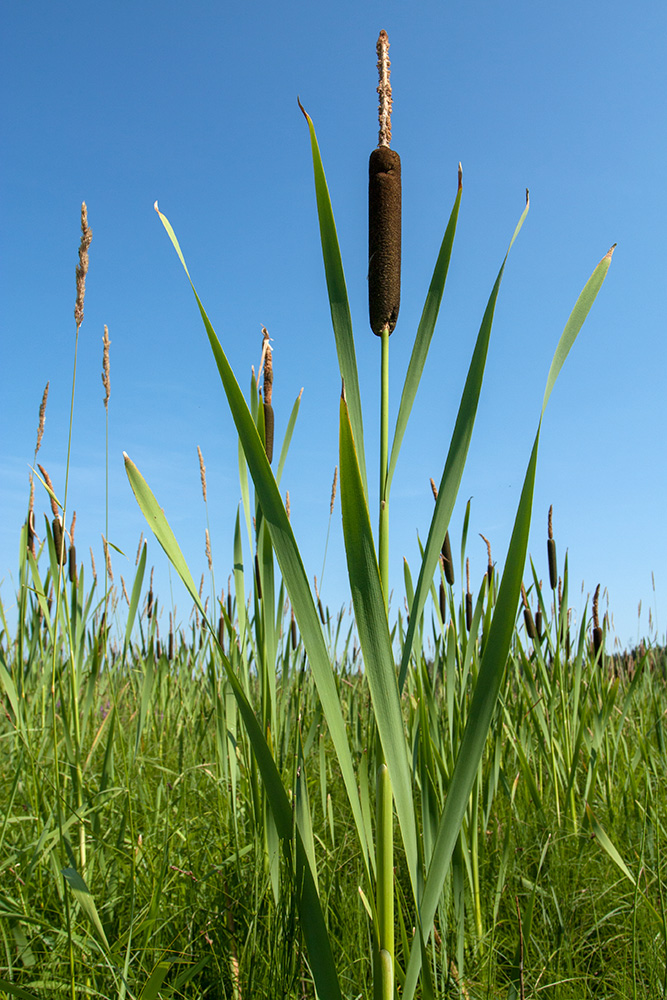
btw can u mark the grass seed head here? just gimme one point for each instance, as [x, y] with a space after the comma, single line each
[42, 418]
[106, 380]
[202, 472]
[82, 266]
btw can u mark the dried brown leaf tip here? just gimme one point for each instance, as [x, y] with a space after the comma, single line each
[82, 266]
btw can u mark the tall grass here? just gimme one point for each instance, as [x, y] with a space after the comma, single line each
[253, 808]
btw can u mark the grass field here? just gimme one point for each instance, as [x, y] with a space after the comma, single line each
[272, 799]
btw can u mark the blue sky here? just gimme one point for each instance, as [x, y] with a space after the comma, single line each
[120, 104]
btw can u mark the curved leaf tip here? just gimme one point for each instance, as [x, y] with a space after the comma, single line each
[305, 113]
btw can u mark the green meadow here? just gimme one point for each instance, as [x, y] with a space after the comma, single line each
[272, 798]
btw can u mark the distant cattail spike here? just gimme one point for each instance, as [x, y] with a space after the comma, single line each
[258, 579]
[551, 553]
[434, 489]
[59, 540]
[72, 564]
[468, 597]
[489, 568]
[447, 561]
[293, 631]
[443, 602]
[597, 631]
[82, 266]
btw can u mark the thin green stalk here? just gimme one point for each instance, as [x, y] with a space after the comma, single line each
[383, 534]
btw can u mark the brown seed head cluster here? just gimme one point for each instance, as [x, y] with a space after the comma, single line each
[82, 266]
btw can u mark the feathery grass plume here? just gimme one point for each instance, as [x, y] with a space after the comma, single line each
[489, 568]
[551, 552]
[597, 631]
[72, 551]
[124, 590]
[92, 565]
[333, 491]
[287, 504]
[384, 211]
[42, 418]
[468, 597]
[531, 631]
[82, 266]
[107, 557]
[202, 472]
[106, 380]
[141, 541]
[266, 368]
[209, 558]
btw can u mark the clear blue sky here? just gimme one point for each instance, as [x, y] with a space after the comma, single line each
[195, 105]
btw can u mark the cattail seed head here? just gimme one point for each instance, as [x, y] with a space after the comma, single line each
[82, 266]
[538, 623]
[59, 540]
[448, 563]
[489, 568]
[443, 602]
[268, 430]
[72, 564]
[293, 631]
[384, 239]
[468, 597]
[551, 552]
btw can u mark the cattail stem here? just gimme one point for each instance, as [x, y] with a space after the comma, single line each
[383, 533]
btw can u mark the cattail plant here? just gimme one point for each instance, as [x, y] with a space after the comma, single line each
[551, 552]
[267, 368]
[368, 572]
[597, 631]
[72, 551]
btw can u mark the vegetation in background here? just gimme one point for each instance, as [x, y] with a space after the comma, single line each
[269, 799]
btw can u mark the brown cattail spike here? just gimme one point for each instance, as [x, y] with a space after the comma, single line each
[597, 631]
[448, 562]
[384, 239]
[551, 553]
[443, 602]
[384, 211]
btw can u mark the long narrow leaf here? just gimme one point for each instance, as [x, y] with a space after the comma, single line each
[289, 560]
[338, 301]
[424, 335]
[310, 910]
[492, 668]
[373, 629]
[456, 459]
